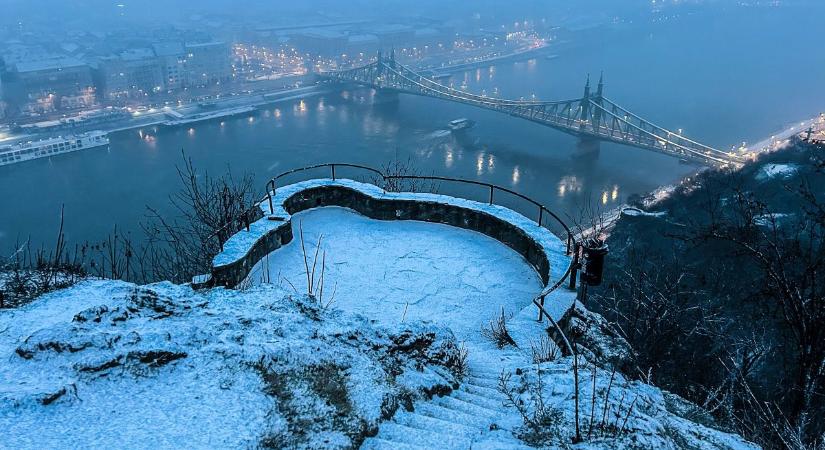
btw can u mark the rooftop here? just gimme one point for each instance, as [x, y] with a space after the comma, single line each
[49, 64]
[168, 48]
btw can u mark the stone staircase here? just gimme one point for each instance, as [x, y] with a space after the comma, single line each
[471, 417]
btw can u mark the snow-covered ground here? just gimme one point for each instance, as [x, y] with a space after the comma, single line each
[111, 364]
[389, 270]
[771, 170]
[462, 280]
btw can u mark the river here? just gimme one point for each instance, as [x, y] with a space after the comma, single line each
[723, 76]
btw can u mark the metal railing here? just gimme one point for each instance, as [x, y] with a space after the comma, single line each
[572, 246]
[542, 211]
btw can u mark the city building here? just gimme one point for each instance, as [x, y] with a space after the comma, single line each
[133, 74]
[320, 42]
[172, 59]
[431, 37]
[208, 64]
[45, 86]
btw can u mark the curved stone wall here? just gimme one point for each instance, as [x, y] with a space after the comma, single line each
[274, 230]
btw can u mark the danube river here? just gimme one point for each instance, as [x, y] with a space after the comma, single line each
[721, 76]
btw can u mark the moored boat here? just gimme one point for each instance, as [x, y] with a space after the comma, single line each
[29, 150]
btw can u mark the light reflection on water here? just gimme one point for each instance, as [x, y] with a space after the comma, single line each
[100, 188]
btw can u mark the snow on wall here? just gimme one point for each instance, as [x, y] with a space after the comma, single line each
[242, 243]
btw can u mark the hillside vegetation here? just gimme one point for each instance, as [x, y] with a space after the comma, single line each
[720, 290]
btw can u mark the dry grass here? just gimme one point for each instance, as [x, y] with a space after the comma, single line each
[497, 331]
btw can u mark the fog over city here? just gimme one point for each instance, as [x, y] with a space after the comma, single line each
[431, 224]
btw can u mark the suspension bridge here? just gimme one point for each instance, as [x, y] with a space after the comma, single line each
[593, 116]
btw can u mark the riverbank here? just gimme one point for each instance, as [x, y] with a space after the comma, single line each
[232, 104]
[816, 126]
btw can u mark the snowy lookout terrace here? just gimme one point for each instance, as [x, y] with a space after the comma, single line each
[545, 242]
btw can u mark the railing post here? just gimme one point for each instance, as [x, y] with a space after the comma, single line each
[541, 308]
[269, 193]
[574, 267]
[491, 194]
[333, 172]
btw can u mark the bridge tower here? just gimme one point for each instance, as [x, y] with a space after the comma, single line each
[385, 96]
[588, 147]
[597, 99]
[584, 107]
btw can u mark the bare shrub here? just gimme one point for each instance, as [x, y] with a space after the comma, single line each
[208, 212]
[459, 365]
[541, 422]
[614, 417]
[591, 223]
[544, 350]
[497, 331]
[315, 284]
[400, 176]
[27, 274]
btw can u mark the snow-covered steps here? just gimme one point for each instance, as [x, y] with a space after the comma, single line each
[484, 382]
[383, 444]
[469, 418]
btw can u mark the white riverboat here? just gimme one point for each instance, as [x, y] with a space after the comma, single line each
[460, 125]
[44, 148]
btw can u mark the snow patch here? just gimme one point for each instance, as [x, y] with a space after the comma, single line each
[782, 171]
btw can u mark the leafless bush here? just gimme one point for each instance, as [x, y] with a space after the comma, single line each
[788, 257]
[544, 350]
[590, 222]
[723, 300]
[113, 257]
[614, 417]
[497, 331]
[208, 211]
[315, 285]
[541, 421]
[460, 364]
[401, 177]
[28, 273]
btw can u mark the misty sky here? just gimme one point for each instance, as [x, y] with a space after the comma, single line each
[96, 13]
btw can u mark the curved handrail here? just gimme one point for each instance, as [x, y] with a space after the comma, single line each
[542, 209]
[271, 185]
[572, 246]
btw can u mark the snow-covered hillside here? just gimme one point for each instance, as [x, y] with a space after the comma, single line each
[111, 364]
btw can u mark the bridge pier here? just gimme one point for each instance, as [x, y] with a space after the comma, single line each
[588, 148]
[383, 96]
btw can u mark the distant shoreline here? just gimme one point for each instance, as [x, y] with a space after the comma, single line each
[262, 99]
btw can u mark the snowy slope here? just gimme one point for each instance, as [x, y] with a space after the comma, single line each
[461, 279]
[110, 364]
[113, 365]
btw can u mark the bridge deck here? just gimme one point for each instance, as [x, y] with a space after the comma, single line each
[591, 116]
